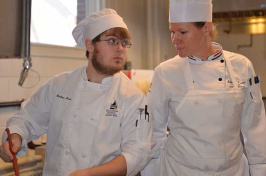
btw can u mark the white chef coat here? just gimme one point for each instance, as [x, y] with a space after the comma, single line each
[169, 88]
[88, 124]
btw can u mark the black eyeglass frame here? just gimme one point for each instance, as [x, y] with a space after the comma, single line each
[117, 41]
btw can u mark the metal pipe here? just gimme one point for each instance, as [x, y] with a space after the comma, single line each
[26, 60]
[229, 30]
[10, 104]
[247, 45]
[27, 27]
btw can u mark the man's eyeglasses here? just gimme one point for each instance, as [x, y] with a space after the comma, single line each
[115, 42]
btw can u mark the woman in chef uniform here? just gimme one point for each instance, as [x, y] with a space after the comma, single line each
[208, 97]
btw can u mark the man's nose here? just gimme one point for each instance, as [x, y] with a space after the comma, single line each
[119, 47]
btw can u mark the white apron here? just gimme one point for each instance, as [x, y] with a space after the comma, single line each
[205, 132]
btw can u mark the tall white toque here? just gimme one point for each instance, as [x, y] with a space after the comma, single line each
[190, 11]
[96, 24]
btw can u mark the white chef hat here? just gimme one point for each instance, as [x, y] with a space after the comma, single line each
[190, 11]
[95, 24]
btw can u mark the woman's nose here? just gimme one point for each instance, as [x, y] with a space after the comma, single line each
[175, 39]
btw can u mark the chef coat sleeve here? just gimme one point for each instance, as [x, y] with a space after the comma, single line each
[158, 104]
[31, 121]
[137, 135]
[253, 126]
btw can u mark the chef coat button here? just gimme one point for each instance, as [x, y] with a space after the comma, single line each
[220, 79]
[75, 115]
[67, 152]
[222, 61]
[83, 155]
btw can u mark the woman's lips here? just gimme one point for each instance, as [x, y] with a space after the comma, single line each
[179, 48]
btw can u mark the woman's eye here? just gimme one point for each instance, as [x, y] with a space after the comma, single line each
[183, 32]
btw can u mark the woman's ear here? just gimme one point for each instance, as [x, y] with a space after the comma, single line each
[207, 28]
[89, 45]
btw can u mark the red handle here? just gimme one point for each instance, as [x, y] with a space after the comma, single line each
[15, 160]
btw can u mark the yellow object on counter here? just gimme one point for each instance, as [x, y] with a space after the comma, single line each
[143, 85]
[142, 79]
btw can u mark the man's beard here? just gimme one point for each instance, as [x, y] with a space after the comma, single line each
[105, 69]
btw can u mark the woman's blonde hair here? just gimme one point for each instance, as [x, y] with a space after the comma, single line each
[214, 33]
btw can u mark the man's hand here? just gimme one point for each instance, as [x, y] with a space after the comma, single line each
[115, 167]
[5, 153]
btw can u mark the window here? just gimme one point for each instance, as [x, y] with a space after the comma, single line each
[52, 21]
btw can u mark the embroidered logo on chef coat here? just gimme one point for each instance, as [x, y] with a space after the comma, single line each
[240, 84]
[112, 111]
[113, 106]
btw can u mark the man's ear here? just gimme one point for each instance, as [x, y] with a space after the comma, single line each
[89, 45]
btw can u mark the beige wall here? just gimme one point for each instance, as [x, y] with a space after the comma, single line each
[47, 61]
[147, 21]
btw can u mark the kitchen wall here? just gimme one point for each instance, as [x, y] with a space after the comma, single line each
[236, 5]
[47, 61]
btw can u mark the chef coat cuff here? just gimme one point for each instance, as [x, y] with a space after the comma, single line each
[157, 151]
[258, 170]
[23, 149]
[132, 164]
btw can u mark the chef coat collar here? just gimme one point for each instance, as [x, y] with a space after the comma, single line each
[218, 55]
[106, 80]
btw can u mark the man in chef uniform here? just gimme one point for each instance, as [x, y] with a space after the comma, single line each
[207, 97]
[96, 119]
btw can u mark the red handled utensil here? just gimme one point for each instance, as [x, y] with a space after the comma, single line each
[15, 160]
